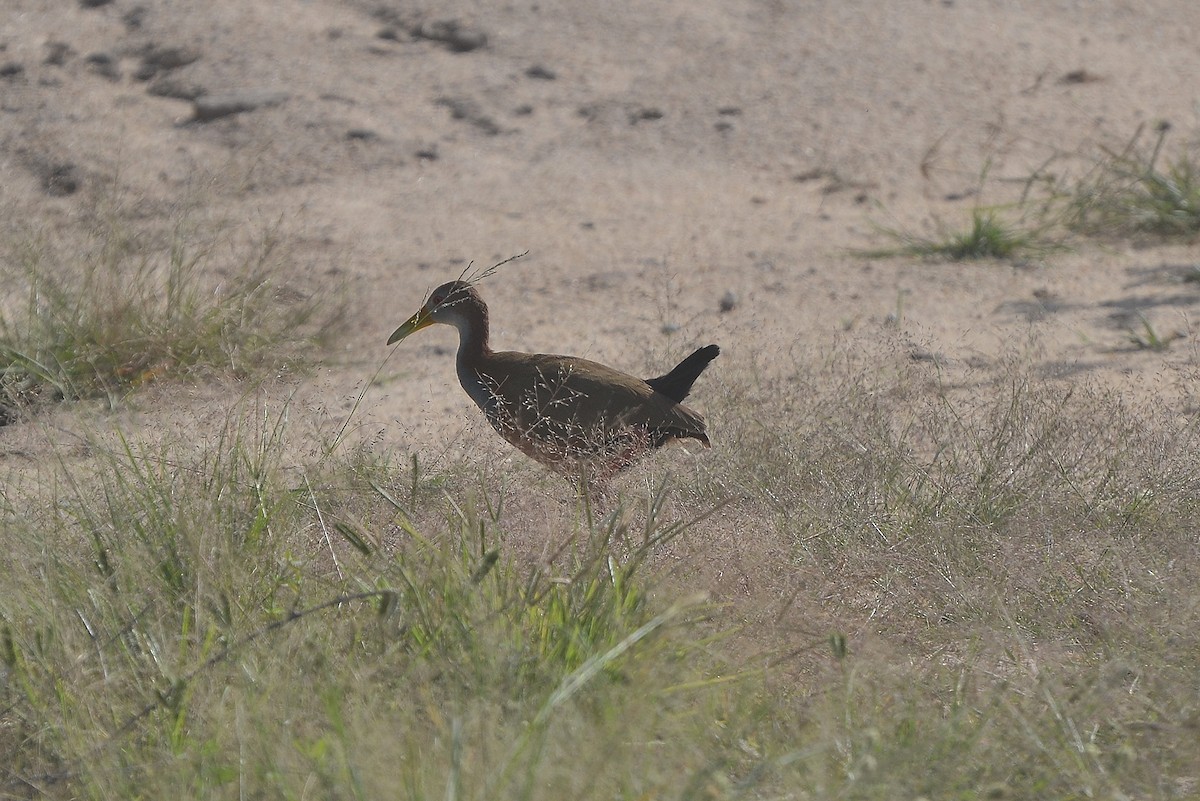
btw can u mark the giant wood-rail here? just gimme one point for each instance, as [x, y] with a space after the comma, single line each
[576, 416]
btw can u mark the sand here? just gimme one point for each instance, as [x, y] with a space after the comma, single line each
[678, 172]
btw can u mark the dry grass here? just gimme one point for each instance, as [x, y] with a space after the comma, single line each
[196, 622]
[943, 596]
[1134, 192]
[875, 586]
[134, 307]
[1139, 191]
[992, 233]
[1013, 583]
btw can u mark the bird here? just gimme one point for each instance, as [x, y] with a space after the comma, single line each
[582, 419]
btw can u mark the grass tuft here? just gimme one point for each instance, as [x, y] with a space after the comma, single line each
[180, 620]
[130, 312]
[1012, 584]
[1133, 192]
[990, 236]
[924, 593]
[1145, 336]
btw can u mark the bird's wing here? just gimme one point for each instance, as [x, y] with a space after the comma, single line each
[542, 390]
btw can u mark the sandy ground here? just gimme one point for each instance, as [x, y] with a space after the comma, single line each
[651, 158]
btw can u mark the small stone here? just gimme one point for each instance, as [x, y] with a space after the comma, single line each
[166, 86]
[211, 107]
[466, 109]
[94, 3]
[645, 114]
[59, 180]
[456, 35]
[815, 174]
[428, 153]
[728, 301]
[12, 69]
[171, 57]
[104, 65]
[156, 59]
[540, 73]
[57, 53]
[134, 17]
[1080, 76]
[361, 134]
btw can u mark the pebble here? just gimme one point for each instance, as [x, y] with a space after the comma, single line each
[57, 53]
[135, 17]
[105, 65]
[158, 59]
[728, 301]
[167, 86]
[466, 109]
[456, 35]
[540, 73]
[645, 114]
[211, 107]
[59, 180]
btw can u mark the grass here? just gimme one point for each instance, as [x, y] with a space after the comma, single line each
[1011, 580]
[873, 588]
[979, 597]
[1138, 192]
[1145, 336]
[196, 624]
[1131, 192]
[989, 236]
[132, 310]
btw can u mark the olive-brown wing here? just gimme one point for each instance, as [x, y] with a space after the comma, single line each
[568, 397]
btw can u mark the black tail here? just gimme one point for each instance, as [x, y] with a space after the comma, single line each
[678, 383]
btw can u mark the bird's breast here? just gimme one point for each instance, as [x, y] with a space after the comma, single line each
[479, 389]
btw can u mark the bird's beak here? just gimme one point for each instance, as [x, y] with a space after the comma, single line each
[421, 319]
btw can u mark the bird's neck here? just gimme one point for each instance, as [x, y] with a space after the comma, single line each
[472, 336]
[473, 350]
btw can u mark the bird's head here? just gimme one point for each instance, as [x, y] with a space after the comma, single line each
[456, 303]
